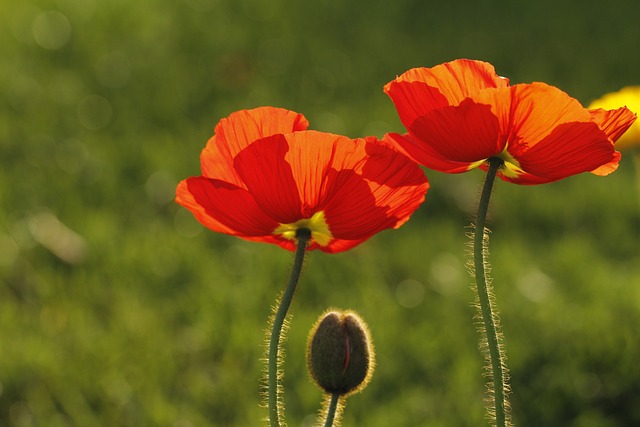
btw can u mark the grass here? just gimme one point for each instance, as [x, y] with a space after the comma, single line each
[146, 319]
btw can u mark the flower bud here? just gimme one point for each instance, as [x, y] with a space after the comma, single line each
[340, 355]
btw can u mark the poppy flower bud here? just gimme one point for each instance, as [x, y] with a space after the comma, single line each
[340, 355]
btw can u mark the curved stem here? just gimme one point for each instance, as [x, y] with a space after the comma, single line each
[489, 319]
[331, 411]
[303, 236]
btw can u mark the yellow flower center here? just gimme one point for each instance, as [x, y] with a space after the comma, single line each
[317, 224]
[511, 168]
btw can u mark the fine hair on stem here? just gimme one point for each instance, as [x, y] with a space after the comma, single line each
[279, 325]
[487, 319]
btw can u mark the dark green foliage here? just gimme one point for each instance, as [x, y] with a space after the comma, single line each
[145, 319]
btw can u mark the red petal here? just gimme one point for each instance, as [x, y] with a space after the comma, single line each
[313, 157]
[613, 122]
[537, 110]
[225, 208]
[362, 187]
[609, 167]
[240, 129]
[291, 175]
[552, 136]
[421, 90]
[467, 133]
[570, 149]
[268, 176]
[340, 245]
[389, 190]
[424, 154]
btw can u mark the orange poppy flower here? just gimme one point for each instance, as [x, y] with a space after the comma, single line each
[461, 113]
[264, 176]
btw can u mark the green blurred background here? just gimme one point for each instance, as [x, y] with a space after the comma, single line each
[118, 309]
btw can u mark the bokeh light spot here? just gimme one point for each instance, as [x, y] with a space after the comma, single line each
[535, 285]
[446, 274]
[59, 239]
[51, 30]
[160, 188]
[410, 293]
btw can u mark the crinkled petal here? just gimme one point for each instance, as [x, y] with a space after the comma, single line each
[537, 110]
[351, 210]
[421, 90]
[241, 128]
[336, 245]
[389, 189]
[395, 181]
[613, 122]
[466, 133]
[552, 136]
[294, 176]
[424, 154]
[225, 208]
[570, 149]
[608, 167]
[628, 97]
[269, 178]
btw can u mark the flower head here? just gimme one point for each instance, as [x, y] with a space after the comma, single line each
[264, 177]
[629, 97]
[461, 113]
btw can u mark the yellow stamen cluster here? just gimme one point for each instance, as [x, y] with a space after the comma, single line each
[317, 224]
[511, 167]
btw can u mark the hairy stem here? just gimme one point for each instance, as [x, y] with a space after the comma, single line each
[488, 313]
[274, 391]
[331, 410]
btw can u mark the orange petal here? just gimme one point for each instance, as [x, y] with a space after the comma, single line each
[240, 129]
[608, 167]
[420, 90]
[396, 183]
[613, 122]
[570, 149]
[389, 189]
[537, 110]
[268, 176]
[292, 176]
[224, 208]
[314, 157]
[466, 133]
[424, 154]
[336, 245]
[307, 172]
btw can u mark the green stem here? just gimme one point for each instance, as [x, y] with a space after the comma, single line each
[489, 318]
[331, 411]
[303, 236]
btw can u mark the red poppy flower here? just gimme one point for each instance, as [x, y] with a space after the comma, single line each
[264, 176]
[461, 113]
